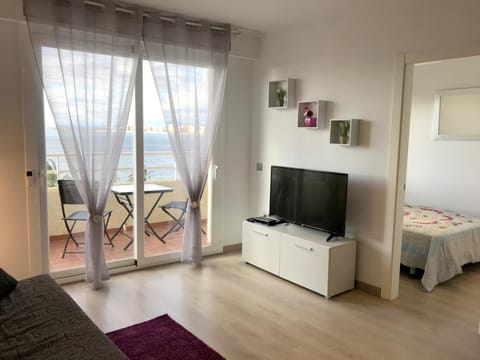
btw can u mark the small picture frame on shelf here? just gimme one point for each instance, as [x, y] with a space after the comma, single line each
[311, 114]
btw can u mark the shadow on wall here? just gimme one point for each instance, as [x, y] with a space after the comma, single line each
[330, 109]
[365, 223]
[364, 132]
[366, 208]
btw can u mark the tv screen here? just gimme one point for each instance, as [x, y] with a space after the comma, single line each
[312, 198]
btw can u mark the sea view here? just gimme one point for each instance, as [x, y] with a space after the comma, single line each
[158, 164]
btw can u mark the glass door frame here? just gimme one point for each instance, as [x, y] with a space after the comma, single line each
[214, 184]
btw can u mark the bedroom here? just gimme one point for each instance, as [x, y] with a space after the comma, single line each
[332, 60]
[441, 169]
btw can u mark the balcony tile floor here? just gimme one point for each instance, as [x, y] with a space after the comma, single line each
[153, 246]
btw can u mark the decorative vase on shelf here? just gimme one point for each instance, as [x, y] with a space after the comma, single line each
[309, 119]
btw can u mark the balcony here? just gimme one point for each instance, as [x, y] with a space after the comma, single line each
[152, 247]
[160, 221]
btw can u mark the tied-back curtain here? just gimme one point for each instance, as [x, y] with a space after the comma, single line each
[189, 65]
[87, 56]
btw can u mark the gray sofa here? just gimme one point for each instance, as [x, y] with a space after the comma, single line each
[39, 320]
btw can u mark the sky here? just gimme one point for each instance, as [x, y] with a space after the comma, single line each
[54, 81]
[152, 111]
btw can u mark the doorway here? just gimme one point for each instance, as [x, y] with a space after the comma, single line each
[400, 136]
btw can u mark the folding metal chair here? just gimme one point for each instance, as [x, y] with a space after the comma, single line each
[179, 222]
[69, 195]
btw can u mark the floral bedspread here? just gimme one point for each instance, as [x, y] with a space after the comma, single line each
[439, 242]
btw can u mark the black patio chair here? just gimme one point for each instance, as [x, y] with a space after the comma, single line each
[70, 196]
[176, 210]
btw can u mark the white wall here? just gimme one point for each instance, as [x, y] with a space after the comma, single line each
[14, 250]
[348, 59]
[442, 174]
[236, 134]
[238, 99]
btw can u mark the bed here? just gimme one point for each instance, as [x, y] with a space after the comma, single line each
[439, 242]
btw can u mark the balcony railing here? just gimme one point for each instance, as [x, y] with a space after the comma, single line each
[166, 169]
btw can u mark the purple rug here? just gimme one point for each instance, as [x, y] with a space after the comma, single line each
[161, 338]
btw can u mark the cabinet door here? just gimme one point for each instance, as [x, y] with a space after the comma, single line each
[305, 263]
[260, 247]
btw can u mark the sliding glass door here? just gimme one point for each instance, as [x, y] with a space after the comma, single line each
[164, 211]
[147, 201]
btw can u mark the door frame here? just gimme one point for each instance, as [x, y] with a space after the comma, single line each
[398, 155]
[35, 158]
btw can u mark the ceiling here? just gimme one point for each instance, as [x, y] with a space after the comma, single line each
[271, 15]
[259, 15]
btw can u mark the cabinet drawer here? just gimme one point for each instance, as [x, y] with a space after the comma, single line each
[305, 263]
[260, 247]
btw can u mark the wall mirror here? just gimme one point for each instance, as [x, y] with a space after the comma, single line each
[456, 114]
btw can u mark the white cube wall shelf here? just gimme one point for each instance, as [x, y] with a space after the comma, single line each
[318, 107]
[352, 134]
[289, 99]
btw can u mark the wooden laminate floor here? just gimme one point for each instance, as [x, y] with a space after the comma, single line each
[246, 313]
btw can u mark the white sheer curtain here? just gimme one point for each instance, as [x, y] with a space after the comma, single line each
[87, 56]
[189, 65]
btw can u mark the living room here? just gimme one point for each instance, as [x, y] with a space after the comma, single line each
[344, 53]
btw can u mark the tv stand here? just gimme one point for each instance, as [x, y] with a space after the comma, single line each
[301, 255]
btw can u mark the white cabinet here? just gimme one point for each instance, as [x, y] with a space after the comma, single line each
[302, 256]
[260, 247]
[313, 261]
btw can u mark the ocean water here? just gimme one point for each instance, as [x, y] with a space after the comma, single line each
[158, 166]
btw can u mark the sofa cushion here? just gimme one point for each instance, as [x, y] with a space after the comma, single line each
[7, 283]
[39, 321]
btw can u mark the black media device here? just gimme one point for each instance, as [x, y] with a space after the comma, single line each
[265, 220]
[312, 198]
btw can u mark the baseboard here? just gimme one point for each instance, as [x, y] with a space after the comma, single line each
[232, 248]
[370, 289]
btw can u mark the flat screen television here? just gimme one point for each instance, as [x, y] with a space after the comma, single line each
[312, 198]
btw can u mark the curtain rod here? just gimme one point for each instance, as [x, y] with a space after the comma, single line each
[146, 14]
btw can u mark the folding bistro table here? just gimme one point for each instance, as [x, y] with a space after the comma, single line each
[123, 195]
